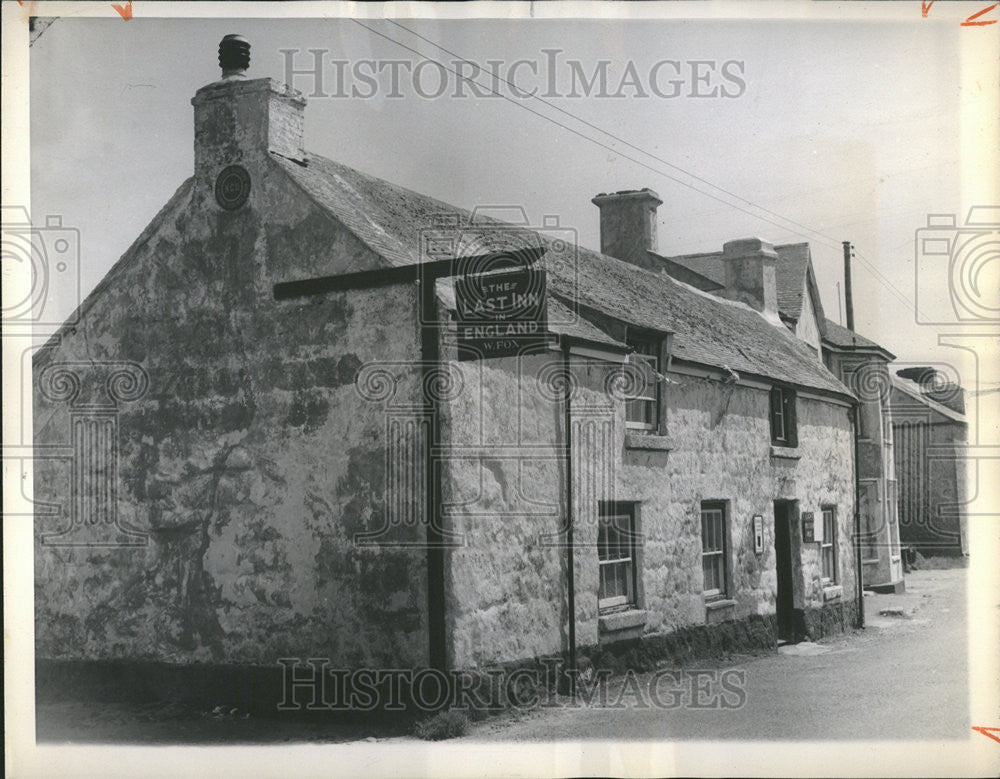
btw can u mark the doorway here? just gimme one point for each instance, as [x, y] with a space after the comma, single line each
[785, 601]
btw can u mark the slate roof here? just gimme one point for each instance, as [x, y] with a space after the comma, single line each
[842, 338]
[707, 330]
[707, 264]
[684, 273]
[563, 320]
[792, 268]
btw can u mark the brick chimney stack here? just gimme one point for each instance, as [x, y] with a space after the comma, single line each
[751, 274]
[238, 121]
[628, 225]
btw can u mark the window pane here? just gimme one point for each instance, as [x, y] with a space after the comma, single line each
[777, 416]
[614, 549]
[713, 540]
[712, 530]
[713, 573]
[640, 406]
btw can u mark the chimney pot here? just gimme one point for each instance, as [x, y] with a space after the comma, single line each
[241, 121]
[234, 56]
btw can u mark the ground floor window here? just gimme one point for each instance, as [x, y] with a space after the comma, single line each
[828, 547]
[713, 548]
[616, 535]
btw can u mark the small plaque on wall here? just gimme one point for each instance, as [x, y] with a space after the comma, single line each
[758, 534]
[808, 528]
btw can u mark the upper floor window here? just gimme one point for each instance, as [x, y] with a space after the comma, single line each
[783, 427]
[616, 556]
[642, 405]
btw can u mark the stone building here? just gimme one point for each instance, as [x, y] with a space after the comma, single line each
[263, 440]
[931, 433]
[864, 366]
[860, 363]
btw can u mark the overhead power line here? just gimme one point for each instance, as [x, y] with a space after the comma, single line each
[803, 230]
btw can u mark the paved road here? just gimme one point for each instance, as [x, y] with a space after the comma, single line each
[903, 677]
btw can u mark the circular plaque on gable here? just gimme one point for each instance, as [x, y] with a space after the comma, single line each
[232, 187]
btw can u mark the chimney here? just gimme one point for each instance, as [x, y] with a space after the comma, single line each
[237, 120]
[628, 225]
[751, 274]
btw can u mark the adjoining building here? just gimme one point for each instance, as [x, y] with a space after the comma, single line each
[931, 433]
[861, 364]
[269, 438]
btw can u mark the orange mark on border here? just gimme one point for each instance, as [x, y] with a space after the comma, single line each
[124, 10]
[29, 9]
[969, 23]
[925, 7]
[993, 733]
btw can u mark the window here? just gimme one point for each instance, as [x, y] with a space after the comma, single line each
[783, 428]
[861, 426]
[616, 556]
[713, 548]
[642, 407]
[828, 547]
[870, 517]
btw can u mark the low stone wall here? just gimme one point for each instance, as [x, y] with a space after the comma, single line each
[829, 619]
[750, 635]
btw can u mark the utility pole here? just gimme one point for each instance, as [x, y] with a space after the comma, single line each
[848, 298]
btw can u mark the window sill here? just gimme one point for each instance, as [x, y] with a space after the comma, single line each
[720, 610]
[621, 620]
[785, 452]
[832, 592]
[651, 441]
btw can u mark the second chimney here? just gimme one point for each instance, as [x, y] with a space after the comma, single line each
[751, 274]
[628, 225]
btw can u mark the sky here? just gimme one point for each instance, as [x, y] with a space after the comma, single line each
[837, 131]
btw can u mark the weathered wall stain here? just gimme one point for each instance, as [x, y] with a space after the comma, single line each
[250, 463]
